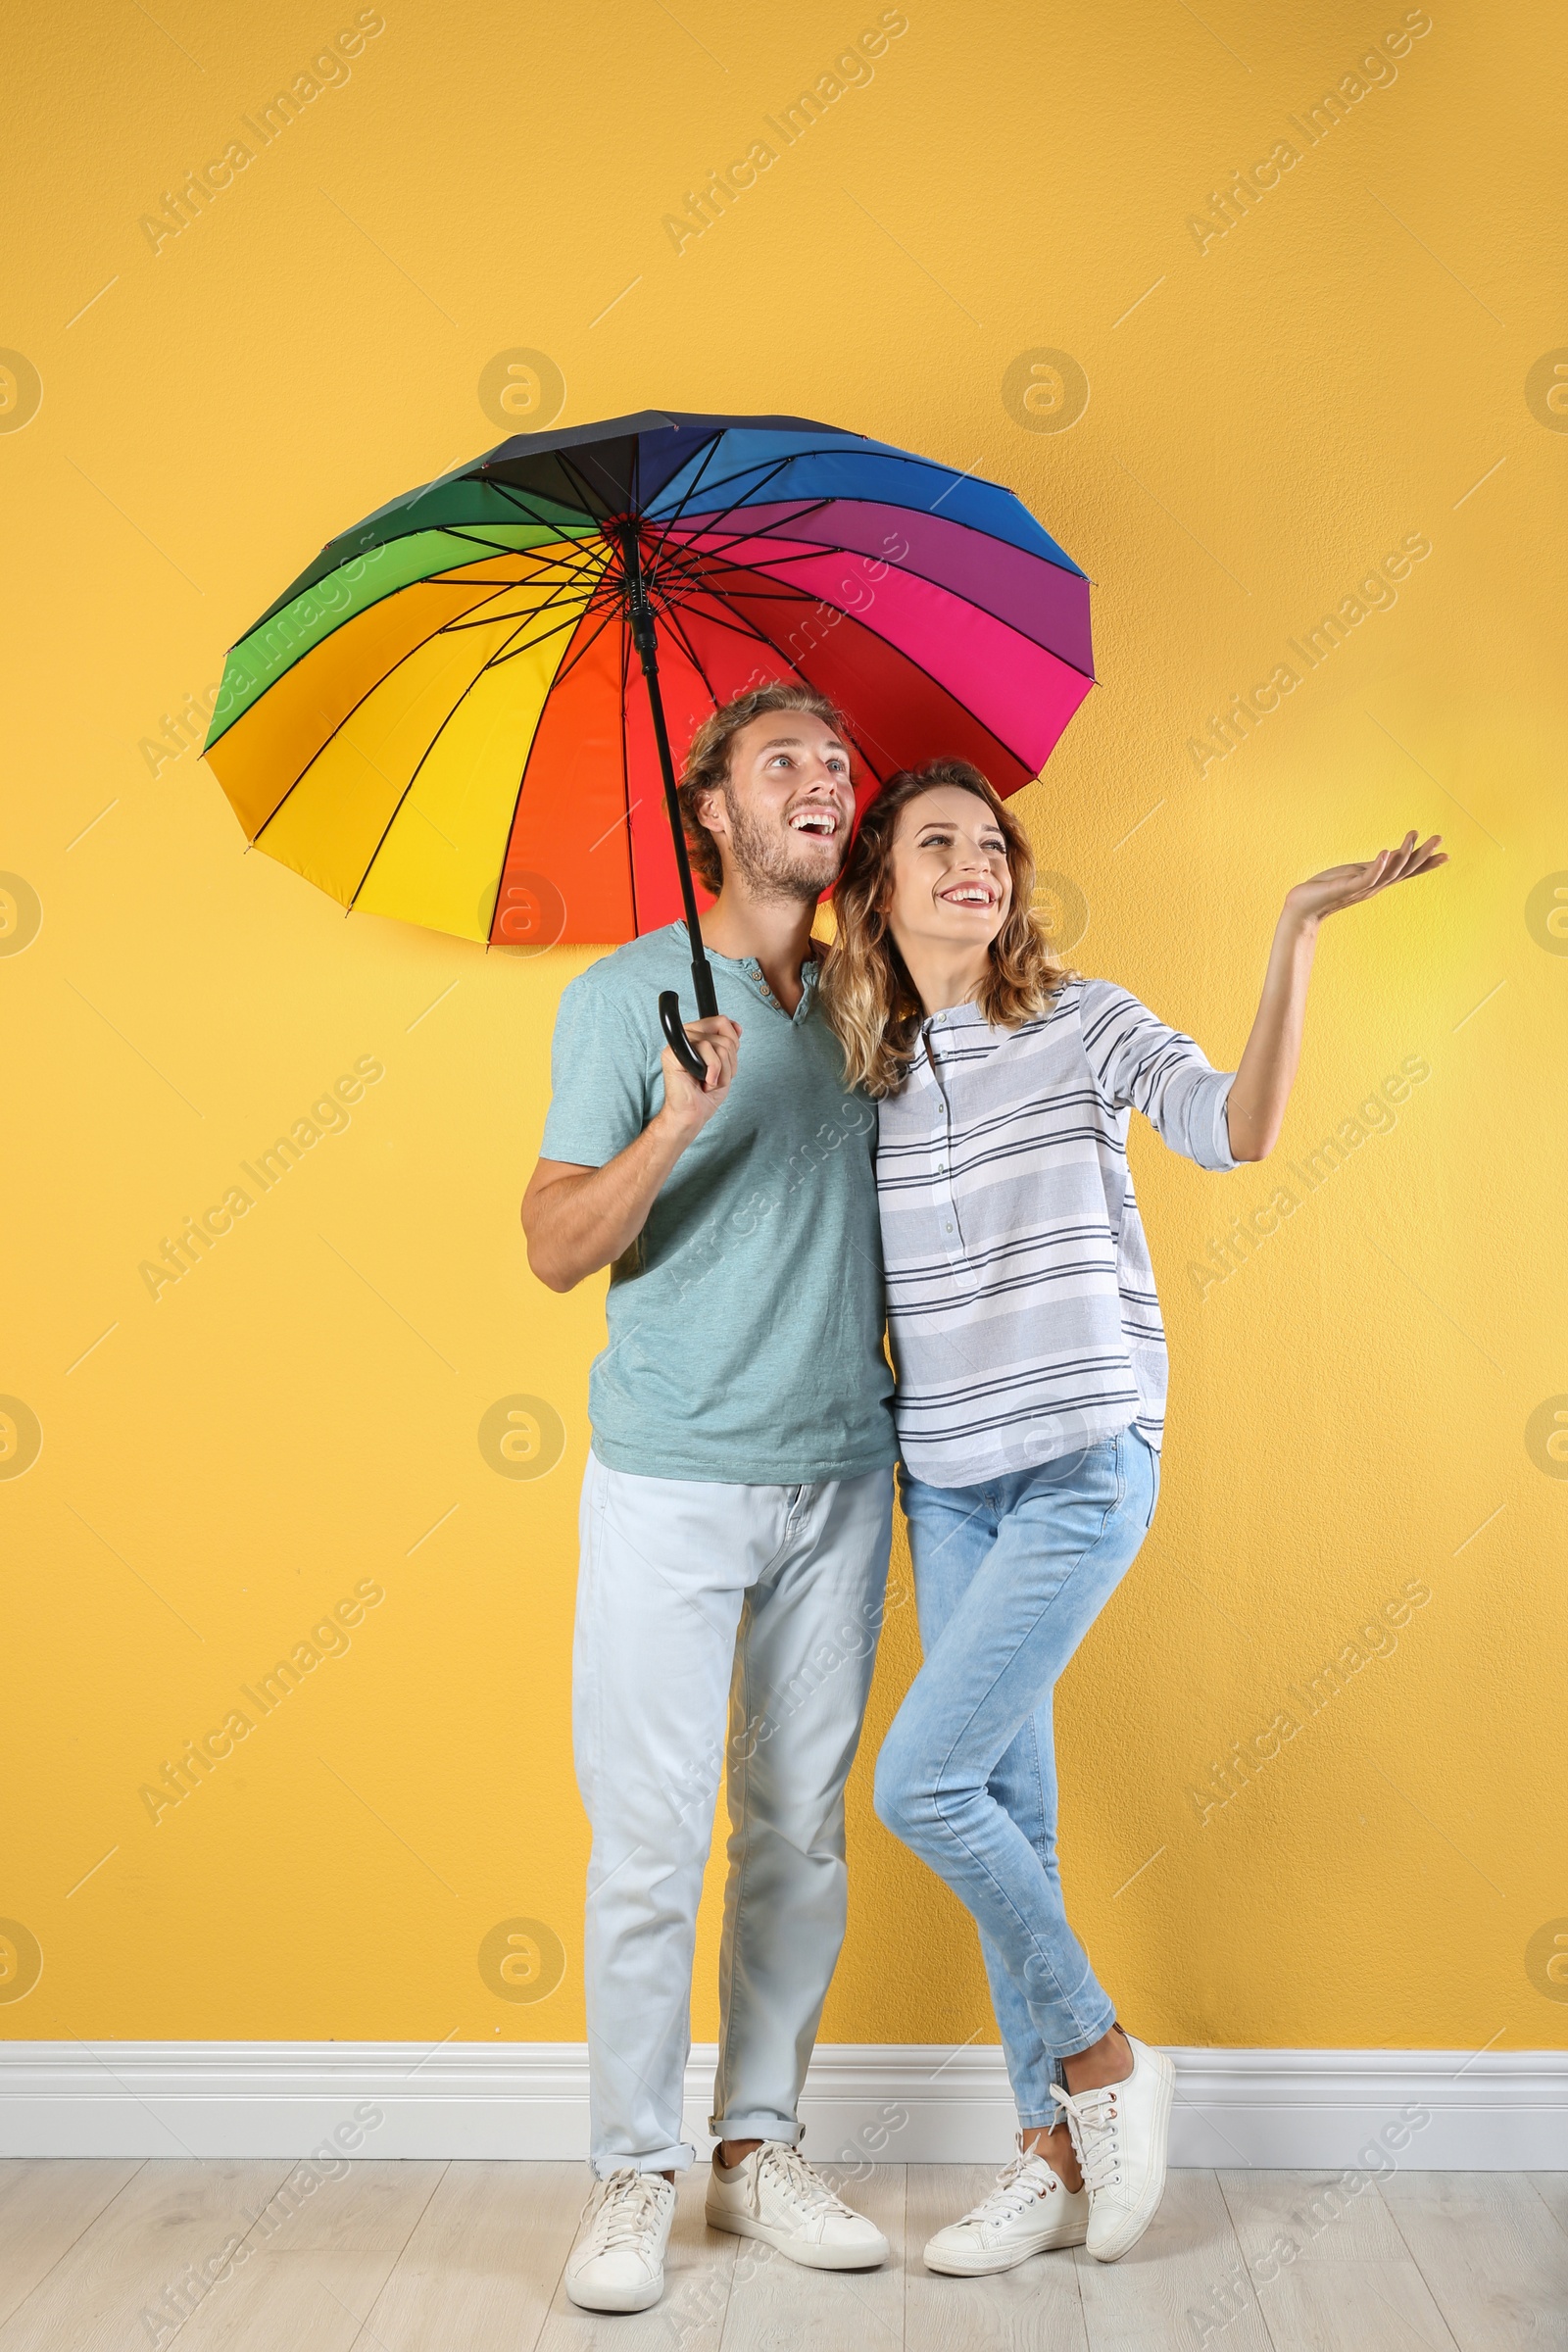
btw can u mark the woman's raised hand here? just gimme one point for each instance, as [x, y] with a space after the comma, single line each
[1345, 885]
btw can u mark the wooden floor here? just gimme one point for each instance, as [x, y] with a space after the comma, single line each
[423, 2257]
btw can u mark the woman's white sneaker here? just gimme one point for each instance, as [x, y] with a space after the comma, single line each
[1028, 2212]
[1120, 2134]
[617, 2263]
[774, 2194]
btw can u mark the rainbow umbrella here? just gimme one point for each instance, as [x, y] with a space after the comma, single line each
[436, 720]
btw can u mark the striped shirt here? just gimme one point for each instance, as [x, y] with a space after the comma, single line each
[1021, 1303]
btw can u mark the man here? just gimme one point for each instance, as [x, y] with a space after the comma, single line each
[737, 1504]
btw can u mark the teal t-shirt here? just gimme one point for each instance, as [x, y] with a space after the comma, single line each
[746, 1322]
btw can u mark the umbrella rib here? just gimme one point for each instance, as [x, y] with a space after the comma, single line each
[563, 670]
[767, 472]
[570, 658]
[906, 457]
[583, 564]
[589, 490]
[665, 549]
[686, 562]
[397, 806]
[761, 637]
[558, 589]
[672, 624]
[474, 534]
[697, 572]
[954, 521]
[429, 580]
[441, 628]
[764, 468]
[762, 596]
[956, 699]
[811, 552]
[509, 490]
[812, 505]
[511, 651]
[691, 487]
[414, 775]
[454, 530]
[625, 775]
[579, 560]
[694, 563]
[577, 585]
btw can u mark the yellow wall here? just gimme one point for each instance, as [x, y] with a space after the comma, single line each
[1270, 412]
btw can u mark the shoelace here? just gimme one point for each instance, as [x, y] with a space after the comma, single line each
[1094, 2118]
[786, 2171]
[1017, 2188]
[629, 2209]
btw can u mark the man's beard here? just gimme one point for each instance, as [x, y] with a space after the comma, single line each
[772, 867]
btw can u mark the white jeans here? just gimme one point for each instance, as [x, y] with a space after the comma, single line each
[691, 1594]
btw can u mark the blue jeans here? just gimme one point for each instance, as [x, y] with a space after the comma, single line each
[1008, 1578]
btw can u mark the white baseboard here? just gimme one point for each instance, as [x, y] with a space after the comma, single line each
[892, 2103]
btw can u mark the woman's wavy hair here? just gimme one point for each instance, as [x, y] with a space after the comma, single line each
[866, 992]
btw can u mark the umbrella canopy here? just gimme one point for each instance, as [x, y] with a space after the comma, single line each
[437, 720]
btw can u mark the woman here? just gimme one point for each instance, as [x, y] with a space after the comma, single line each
[1031, 1368]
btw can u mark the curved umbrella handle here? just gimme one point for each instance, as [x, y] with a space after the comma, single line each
[676, 1036]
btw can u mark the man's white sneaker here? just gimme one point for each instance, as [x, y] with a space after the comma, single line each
[774, 2194]
[1028, 2212]
[1120, 2134]
[617, 2263]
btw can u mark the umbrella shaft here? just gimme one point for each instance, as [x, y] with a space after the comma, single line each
[643, 639]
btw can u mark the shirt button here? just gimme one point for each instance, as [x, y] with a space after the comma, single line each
[947, 1228]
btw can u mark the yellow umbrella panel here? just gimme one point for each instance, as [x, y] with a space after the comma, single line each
[384, 764]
